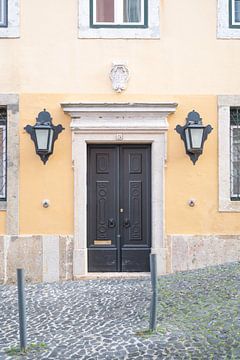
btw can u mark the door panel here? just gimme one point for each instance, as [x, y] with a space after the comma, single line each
[119, 203]
[135, 199]
[102, 209]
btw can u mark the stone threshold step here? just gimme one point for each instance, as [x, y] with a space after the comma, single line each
[112, 275]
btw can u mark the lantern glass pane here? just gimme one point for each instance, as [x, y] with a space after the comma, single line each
[42, 139]
[196, 135]
[50, 144]
[187, 139]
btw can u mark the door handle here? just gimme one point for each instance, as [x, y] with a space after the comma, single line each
[126, 223]
[111, 223]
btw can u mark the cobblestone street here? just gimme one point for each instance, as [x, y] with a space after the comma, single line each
[107, 319]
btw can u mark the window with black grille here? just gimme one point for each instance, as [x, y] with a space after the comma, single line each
[3, 149]
[235, 152]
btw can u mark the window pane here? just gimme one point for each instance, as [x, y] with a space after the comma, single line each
[237, 10]
[3, 13]
[235, 153]
[132, 10]
[105, 10]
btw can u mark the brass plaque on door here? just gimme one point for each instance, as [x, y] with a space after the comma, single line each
[102, 242]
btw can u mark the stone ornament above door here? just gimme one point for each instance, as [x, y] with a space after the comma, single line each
[119, 76]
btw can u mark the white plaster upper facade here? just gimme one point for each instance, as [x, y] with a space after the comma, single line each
[151, 32]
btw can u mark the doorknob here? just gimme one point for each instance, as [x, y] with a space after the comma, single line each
[111, 223]
[126, 223]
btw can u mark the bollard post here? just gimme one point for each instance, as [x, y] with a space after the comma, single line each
[22, 309]
[153, 308]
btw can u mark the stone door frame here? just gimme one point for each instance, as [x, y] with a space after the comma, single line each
[124, 123]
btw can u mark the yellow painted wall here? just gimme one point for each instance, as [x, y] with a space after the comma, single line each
[184, 181]
[2, 222]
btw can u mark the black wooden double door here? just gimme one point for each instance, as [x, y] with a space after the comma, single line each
[119, 207]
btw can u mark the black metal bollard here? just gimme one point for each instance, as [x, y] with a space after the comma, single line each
[22, 309]
[153, 308]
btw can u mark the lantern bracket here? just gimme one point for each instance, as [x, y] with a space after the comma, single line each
[44, 121]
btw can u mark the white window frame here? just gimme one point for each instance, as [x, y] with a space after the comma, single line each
[3, 13]
[224, 29]
[4, 157]
[12, 28]
[231, 146]
[131, 31]
[11, 206]
[224, 162]
[118, 15]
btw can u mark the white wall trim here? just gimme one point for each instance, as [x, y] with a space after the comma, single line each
[153, 30]
[106, 123]
[224, 104]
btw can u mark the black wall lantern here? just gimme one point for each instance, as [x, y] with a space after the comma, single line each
[194, 134]
[44, 134]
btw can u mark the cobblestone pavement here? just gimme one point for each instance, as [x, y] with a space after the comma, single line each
[198, 318]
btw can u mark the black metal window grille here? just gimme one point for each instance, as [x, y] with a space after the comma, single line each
[3, 152]
[3, 13]
[235, 153]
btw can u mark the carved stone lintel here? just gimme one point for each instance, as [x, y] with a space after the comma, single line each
[119, 76]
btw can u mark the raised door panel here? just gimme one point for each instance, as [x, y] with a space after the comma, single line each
[135, 199]
[102, 208]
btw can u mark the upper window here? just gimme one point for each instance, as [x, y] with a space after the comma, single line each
[9, 18]
[3, 13]
[131, 19]
[234, 13]
[116, 13]
[228, 26]
[3, 143]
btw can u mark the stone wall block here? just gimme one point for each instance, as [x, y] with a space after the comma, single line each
[25, 252]
[66, 258]
[195, 251]
[179, 253]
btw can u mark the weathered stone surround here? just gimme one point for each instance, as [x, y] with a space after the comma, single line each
[45, 258]
[187, 252]
[118, 123]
